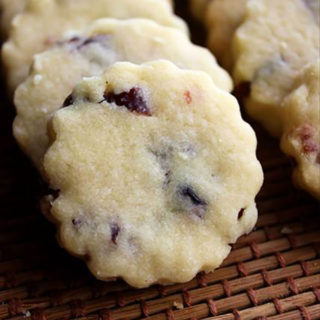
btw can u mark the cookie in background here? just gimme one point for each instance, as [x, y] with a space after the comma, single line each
[198, 8]
[222, 18]
[301, 136]
[269, 53]
[44, 22]
[8, 10]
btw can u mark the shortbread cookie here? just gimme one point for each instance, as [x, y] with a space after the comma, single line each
[222, 19]
[57, 71]
[44, 22]
[8, 10]
[276, 40]
[301, 138]
[198, 9]
[156, 173]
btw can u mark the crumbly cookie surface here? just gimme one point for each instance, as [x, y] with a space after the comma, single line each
[301, 137]
[156, 173]
[56, 71]
[222, 19]
[44, 22]
[270, 51]
[8, 10]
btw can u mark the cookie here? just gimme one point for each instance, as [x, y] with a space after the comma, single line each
[55, 72]
[155, 173]
[55, 19]
[8, 10]
[301, 137]
[269, 53]
[222, 19]
[198, 9]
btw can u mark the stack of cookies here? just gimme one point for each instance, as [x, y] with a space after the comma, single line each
[153, 171]
[271, 48]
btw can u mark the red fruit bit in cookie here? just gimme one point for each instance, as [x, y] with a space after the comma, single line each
[306, 133]
[309, 147]
[193, 201]
[115, 230]
[77, 223]
[240, 214]
[68, 102]
[133, 100]
[188, 97]
[77, 43]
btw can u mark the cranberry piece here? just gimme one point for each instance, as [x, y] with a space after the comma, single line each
[73, 40]
[133, 100]
[188, 97]
[78, 43]
[309, 146]
[115, 230]
[94, 39]
[306, 133]
[195, 204]
[188, 192]
[240, 214]
[77, 223]
[68, 102]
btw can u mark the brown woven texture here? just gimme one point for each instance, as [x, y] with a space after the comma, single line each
[272, 273]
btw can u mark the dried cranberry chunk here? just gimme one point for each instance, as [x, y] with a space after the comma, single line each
[95, 39]
[132, 100]
[306, 134]
[240, 214]
[68, 102]
[188, 192]
[77, 43]
[115, 230]
[77, 223]
[192, 202]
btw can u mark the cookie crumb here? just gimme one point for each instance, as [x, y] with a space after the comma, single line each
[178, 305]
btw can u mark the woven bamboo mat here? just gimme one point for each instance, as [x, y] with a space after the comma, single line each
[272, 273]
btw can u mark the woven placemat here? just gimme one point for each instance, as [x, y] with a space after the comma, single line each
[272, 273]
